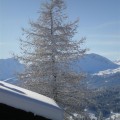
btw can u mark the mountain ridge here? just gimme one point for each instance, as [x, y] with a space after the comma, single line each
[9, 68]
[93, 63]
[89, 63]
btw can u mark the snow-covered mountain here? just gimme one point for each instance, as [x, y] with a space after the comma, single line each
[96, 81]
[117, 62]
[101, 71]
[108, 72]
[106, 78]
[93, 63]
[9, 67]
[90, 63]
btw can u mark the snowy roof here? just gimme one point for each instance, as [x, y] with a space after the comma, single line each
[29, 101]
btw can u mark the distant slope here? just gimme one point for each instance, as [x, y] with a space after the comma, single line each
[96, 81]
[93, 63]
[90, 63]
[9, 67]
[106, 78]
[102, 71]
[108, 72]
[117, 62]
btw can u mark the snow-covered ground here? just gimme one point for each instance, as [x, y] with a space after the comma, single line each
[29, 101]
[92, 116]
[114, 116]
[108, 72]
[117, 62]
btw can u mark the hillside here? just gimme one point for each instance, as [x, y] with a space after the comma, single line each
[101, 81]
[9, 67]
[90, 63]
[102, 74]
[93, 63]
[101, 71]
[117, 62]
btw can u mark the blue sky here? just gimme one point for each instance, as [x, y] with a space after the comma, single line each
[99, 23]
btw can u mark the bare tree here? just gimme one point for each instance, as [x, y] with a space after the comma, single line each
[47, 51]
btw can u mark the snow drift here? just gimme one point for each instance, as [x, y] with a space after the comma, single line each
[29, 101]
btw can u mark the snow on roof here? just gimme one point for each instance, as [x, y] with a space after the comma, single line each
[29, 101]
